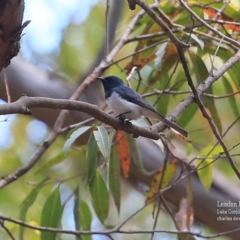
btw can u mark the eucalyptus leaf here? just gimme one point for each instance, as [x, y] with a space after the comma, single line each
[101, 137]
[74, 135]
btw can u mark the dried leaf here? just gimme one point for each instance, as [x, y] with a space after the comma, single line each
[184, 217]
[123, 152]
[163, 178]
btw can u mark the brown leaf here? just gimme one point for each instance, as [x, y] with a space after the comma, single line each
[123, 152]
[184, 217]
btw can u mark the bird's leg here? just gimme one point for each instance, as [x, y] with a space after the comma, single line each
[123, 118]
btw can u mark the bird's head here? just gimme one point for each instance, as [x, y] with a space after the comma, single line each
[110, 82]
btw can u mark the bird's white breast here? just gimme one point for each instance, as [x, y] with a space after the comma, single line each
[121, 106]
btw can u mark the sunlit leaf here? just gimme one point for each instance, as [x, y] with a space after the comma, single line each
[114, 179]
[73, 136]
[205, 173]
[205, 166]
[101, 137]
[51, 214]
[162, 179]
[211, 151]
[100, 197]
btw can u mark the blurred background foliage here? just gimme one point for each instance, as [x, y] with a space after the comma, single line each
[64, 38]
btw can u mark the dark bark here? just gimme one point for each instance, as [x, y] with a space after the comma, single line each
[11, 27]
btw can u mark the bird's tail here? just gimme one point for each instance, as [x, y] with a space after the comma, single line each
[156, 115]
[175, 127]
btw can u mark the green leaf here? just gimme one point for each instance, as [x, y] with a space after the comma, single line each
[205, 166]
[164, 99]
[100, 198]
[232, 101]
[189, 113]
[85, 218]
[211, 151]
[101, 137]
[27, 203]
[136, 157]
[205, 173]
[51, 214]
[201, 73]
[114, 180]
[73, 136]
[92, 159]
[233, 73]
[82, 215]
[76, 209]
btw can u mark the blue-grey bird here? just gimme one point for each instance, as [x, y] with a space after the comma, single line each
[126, 102]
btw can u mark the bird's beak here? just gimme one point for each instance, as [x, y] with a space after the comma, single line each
[100, 78]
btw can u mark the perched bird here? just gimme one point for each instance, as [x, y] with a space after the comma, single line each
[127, 103]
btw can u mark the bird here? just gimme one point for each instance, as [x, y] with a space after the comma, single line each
[128, 104]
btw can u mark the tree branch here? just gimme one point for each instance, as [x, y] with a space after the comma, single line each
[111, 231]
[62, 116]
[195, 91]
[24, 103]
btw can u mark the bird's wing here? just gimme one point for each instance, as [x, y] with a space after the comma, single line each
[134, 97]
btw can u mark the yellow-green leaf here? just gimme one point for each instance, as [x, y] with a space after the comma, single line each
[162, 179]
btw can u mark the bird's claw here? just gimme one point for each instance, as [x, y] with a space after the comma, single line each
[123, 119]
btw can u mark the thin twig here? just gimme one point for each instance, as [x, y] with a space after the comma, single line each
[115, 230]
[7, 230]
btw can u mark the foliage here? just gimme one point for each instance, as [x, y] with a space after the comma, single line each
[83, 183]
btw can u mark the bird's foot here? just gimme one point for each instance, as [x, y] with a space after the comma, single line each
[123, 119]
